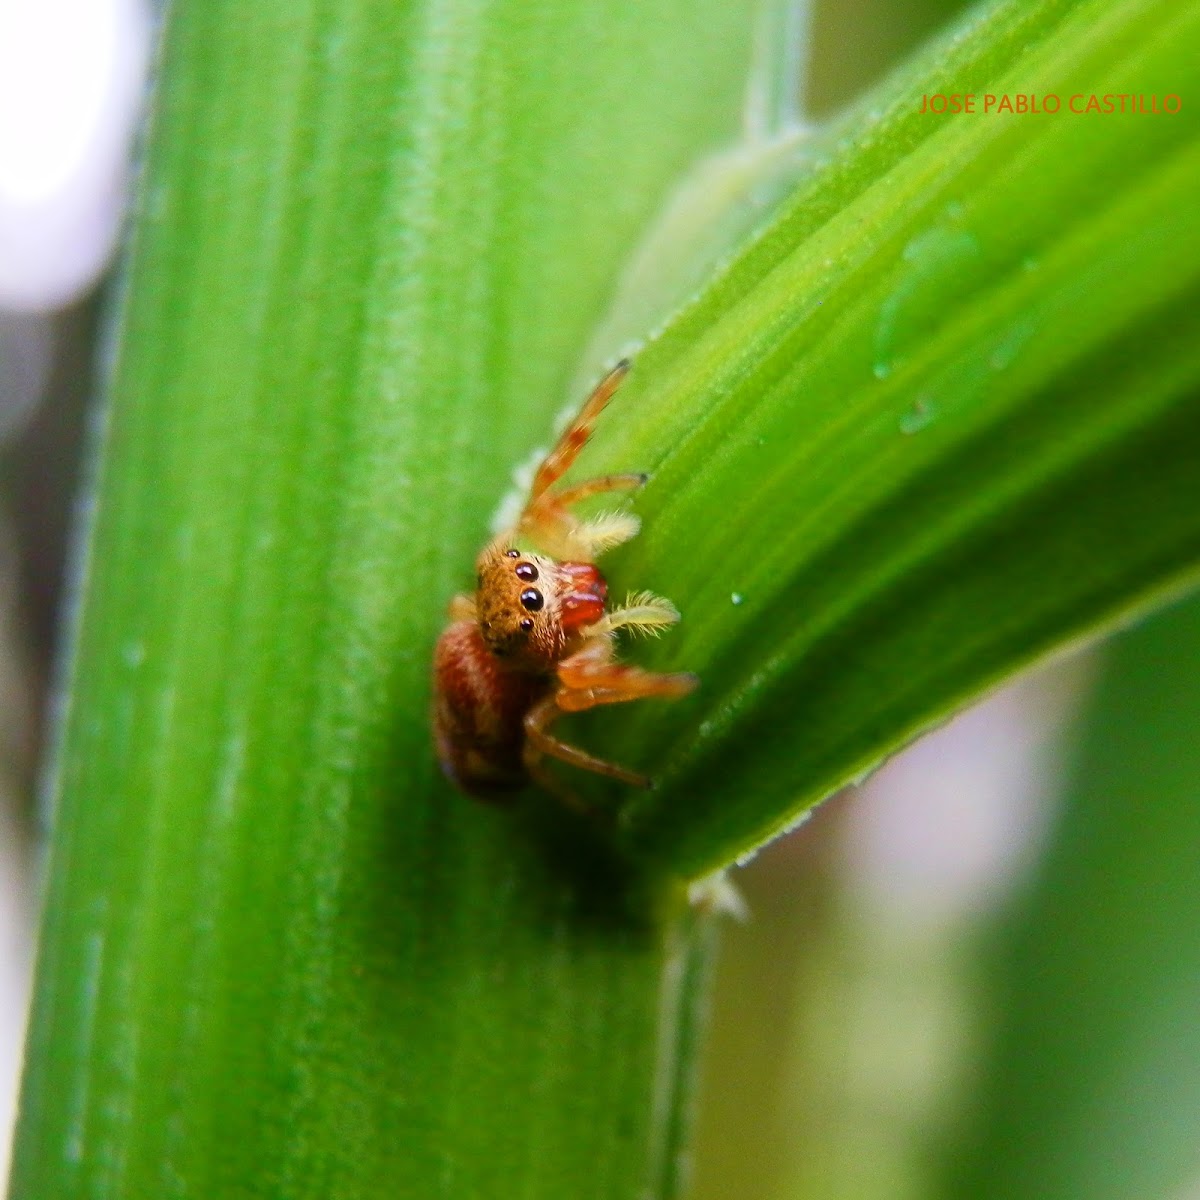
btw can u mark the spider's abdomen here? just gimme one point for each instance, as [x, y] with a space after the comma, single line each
[479, 712]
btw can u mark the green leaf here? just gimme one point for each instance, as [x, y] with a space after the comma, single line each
[281, 956]
[938, 419]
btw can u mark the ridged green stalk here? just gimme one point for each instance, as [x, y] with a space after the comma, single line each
[281, 956]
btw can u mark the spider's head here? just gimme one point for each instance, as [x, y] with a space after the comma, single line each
[530, 607]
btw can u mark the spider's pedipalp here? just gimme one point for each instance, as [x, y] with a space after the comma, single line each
[642, 612]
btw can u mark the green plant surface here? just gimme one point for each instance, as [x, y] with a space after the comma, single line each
[941, 417]
[1092, 1085]
[938, 418]
[281, 956]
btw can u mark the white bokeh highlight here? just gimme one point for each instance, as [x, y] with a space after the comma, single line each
[943, 832]
[71, 76]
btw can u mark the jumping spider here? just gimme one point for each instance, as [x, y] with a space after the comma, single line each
[537, 639]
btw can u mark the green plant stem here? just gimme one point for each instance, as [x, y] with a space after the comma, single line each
[281, 956]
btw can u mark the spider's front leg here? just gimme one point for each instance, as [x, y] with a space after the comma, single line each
[573, 439]
[547, 518]
[541, 743]
[462, 608]
[591, 677]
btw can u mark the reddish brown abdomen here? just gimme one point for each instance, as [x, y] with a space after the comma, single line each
[479, 712]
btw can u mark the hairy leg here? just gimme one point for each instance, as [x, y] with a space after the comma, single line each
[591, 677]
[625, 482]
[547, 517]
[566, 450]
[540, 742]
[622, 684]
[462, 608]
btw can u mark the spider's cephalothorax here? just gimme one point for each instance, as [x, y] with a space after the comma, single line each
[531, 607]
[537, 639]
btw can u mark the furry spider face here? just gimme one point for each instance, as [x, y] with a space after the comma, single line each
[531, 608]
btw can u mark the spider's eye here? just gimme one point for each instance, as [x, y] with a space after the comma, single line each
[512, 553]
[526, 623]
[532, 599]
[526, 571]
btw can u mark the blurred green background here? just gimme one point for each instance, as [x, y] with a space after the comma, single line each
[890, 1023]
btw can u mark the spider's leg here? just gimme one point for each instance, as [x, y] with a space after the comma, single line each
[573, 439]
[540, 742]
[591, 676]
[462, 608]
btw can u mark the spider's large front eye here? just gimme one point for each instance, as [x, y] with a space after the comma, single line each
[532, 599]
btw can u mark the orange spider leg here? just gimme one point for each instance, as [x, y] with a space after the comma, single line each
[590, 678]
[556, 464]
[547, 517]
[539, 742]
[588, 685]
[536, 768]
[602, 483]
